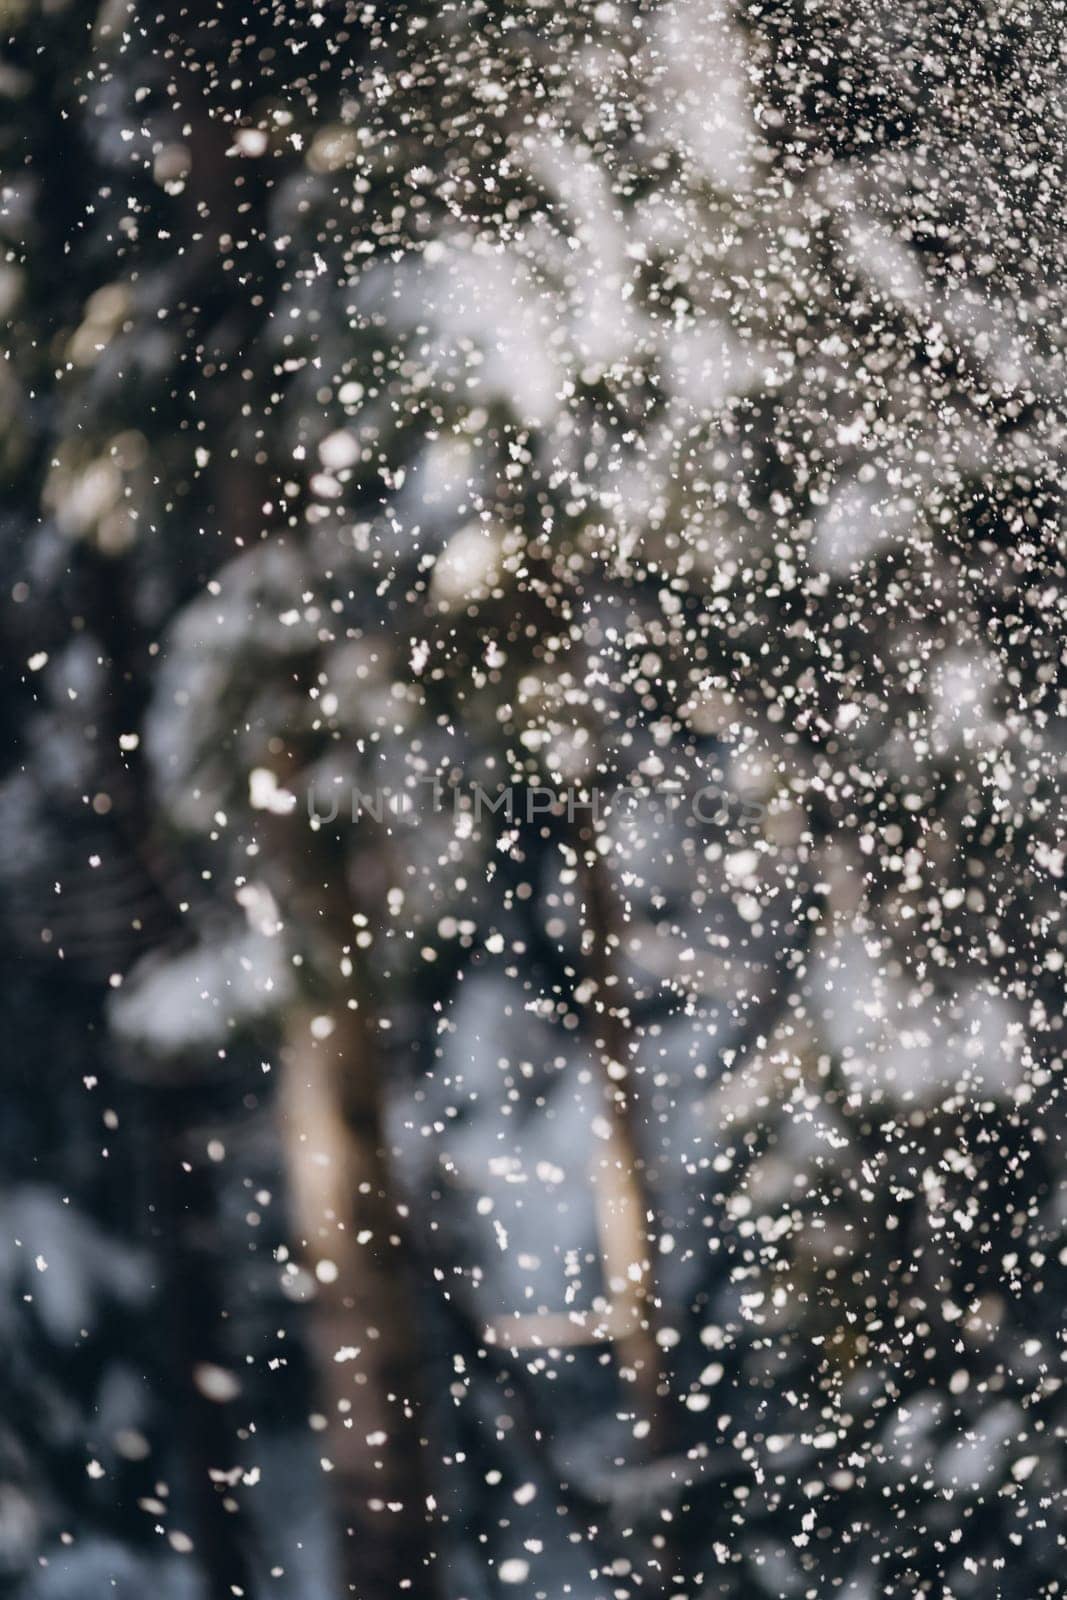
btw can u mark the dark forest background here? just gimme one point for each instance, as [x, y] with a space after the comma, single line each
[461, 1204]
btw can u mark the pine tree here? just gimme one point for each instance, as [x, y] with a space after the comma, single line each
[512, 411]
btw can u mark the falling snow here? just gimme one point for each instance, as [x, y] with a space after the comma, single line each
[532, 848]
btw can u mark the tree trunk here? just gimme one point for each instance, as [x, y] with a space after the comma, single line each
[351, 1230]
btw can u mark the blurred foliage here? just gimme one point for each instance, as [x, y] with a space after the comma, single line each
[564, 398]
